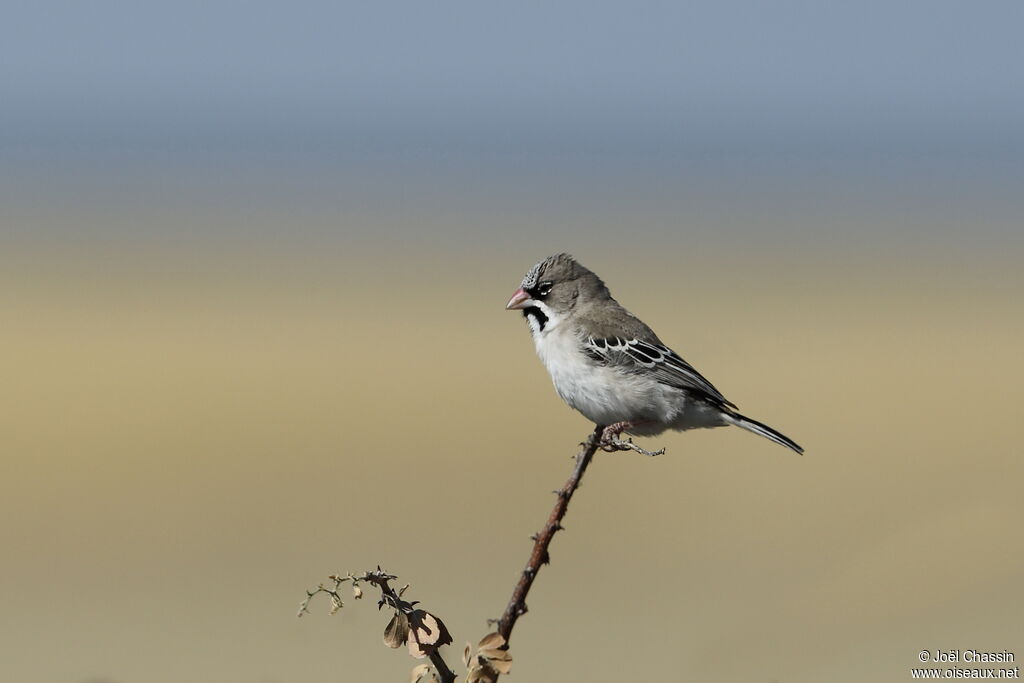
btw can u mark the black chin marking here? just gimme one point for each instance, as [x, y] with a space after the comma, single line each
[537, 314]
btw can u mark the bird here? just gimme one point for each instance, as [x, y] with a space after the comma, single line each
[610, 366]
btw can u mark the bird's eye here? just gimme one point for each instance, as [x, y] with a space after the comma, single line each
[543, 288]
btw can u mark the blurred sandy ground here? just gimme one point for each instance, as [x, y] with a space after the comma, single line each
[196, 428]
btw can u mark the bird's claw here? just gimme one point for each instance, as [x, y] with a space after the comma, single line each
[615, 445]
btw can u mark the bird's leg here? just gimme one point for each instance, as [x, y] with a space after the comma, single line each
[610, 441]
[611, 434]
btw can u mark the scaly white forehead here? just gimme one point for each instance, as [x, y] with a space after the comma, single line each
[530, 281]
[533, 275]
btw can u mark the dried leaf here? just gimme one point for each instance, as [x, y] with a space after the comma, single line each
[500, 655]
[492, 641]
[397, 630]
[481, 675]
[495, 654]
[426, 633]
[418, 672]
[492, 659]
[357, 592]
[465, 654]
[335, 603]
[501, 665]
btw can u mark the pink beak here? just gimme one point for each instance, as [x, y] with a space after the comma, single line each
[519, 301]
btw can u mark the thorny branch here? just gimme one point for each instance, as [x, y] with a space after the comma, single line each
[539, 556]
[390, 597]
[424, 633]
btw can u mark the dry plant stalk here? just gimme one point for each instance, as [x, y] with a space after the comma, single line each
[541, 541]
[424, 633]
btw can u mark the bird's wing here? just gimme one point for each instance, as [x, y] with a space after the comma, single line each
[663, 363]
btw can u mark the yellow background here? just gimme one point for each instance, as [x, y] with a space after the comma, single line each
[195, 430]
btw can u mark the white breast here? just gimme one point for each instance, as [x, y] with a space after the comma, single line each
[604, 395]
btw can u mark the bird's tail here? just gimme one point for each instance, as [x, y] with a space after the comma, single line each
[764, 430]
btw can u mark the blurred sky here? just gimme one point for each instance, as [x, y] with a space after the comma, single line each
[655, 88]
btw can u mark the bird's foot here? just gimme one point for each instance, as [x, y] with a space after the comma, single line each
[628, 445]
[610, 436]
[611, 443]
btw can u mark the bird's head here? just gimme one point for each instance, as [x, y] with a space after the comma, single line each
[553, 288]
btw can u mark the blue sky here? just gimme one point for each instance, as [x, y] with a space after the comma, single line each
[478, 76]
[756, 116]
